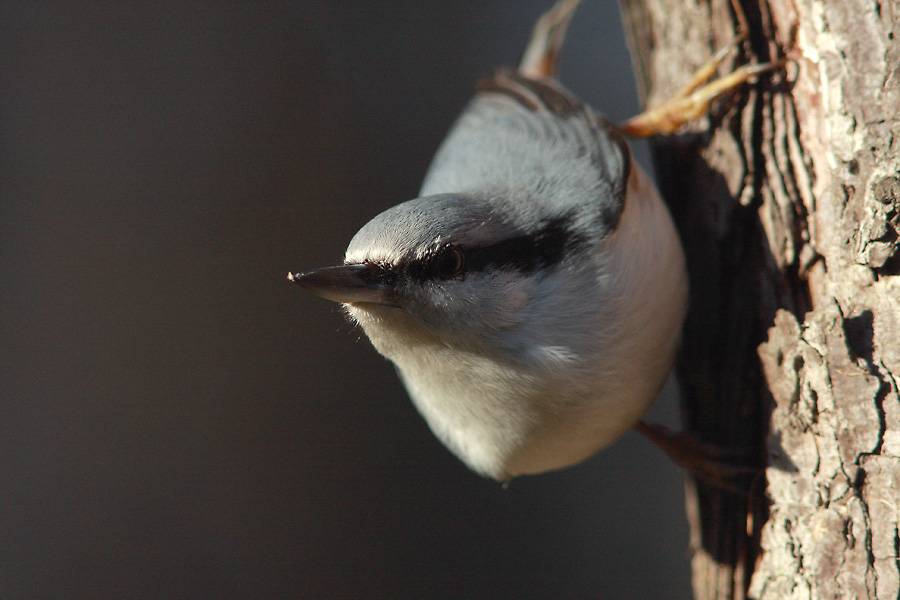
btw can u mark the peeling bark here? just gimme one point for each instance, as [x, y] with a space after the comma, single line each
[788, 200]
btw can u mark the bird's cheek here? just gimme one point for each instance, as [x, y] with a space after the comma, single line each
[517, 297]
[505, 303]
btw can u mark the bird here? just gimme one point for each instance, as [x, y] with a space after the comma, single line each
[533, 294]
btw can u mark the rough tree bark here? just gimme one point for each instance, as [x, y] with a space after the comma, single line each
[788, 200]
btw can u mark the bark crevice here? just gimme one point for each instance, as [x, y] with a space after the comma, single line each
[788, 203]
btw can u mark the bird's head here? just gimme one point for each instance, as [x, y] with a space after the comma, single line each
[458, 270]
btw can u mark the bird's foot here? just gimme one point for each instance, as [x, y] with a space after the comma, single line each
[694, 99]
[723, 468]
[542, 52]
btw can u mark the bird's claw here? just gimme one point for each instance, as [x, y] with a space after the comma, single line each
[694, 98]
[722, 468]
[542, 52]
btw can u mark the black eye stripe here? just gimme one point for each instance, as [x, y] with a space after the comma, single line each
[377, 272]
[543, 248]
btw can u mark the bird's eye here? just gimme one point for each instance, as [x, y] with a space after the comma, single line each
[450, 262]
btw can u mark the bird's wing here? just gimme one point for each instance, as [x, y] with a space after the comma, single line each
[530, 138]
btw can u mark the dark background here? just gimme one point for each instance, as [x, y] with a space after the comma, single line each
[176, 419]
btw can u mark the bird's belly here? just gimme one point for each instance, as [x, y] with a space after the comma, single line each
[476, 410]
[503, 422]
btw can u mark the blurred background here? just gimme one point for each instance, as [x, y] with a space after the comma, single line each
[179, 421]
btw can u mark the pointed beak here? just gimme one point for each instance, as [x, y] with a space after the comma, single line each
[346, 283]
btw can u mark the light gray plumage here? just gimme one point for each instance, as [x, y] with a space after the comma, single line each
[559, 326]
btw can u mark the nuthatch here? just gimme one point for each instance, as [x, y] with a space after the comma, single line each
[532, 297]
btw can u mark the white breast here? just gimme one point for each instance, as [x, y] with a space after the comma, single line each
[504, 419]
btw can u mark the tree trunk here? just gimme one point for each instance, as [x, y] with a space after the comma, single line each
[788, 200]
